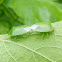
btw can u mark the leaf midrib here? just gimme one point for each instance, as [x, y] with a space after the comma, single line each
[28, 49]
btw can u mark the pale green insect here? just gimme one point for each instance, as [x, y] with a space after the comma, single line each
[40, 27]
[43, 27]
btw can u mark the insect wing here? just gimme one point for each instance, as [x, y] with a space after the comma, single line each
[44, 28]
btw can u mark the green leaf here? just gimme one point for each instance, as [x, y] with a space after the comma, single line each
[1, 1]
[1, 11]
[43, 47]
[60, 1]
[39, 27]
[6, 22]
[37, 10]
[4, 26]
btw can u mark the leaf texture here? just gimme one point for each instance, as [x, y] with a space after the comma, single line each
[42, 47]
[36, 10]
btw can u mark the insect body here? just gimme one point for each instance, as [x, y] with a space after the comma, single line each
[40, 27]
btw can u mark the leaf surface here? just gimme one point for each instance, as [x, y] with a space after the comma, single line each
[42, 47]
[6, 22]
[1, 1]
[36, 10]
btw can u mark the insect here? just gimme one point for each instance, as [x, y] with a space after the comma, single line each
[44, 27]
[40, 27]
